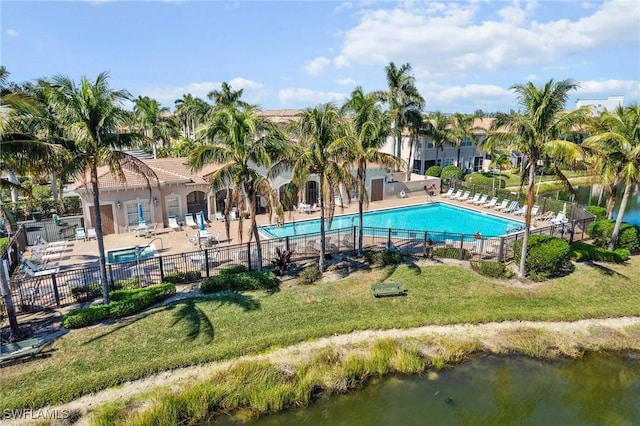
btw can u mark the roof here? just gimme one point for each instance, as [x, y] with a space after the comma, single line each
[282, 116]
[168, 170]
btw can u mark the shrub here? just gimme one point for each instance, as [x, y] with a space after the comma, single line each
[433, 171]
[629, 237]
[237, 269]
[451, 253]
[582, 252]
[451, 172]
[485, 179]
[90, 292]
[310, 274]
[72, 204]
[282, 260]
[41, 192]
[599, 212]
[547, 256]
[182, 277]
[4, 243]
[387, 257]
[123, 303]
[126, 284]
[491, 269]
[244, 281]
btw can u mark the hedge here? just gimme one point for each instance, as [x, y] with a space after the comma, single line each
[387, 257]
[451, 172]
[547, 256]
[182, 277]
[583, 252]
[599, 212]
[123, 303]
[629, 237]
[239, 281]
[433, 171]
[310, 274]
[491, 269]
[485, 179]
[4, 243]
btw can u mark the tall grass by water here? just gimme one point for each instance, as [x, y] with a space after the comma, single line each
[230, 325]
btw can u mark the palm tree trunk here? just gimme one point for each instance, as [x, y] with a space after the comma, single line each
[361, 175]
[99, 236]
[623, 206]
[409, 166]
[252, 208]
[527, 219]
[322, 231]
[611, 203]
[5, 289]
[11, 176]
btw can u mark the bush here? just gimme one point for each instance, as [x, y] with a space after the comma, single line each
[485, 179]
[4, 243]
[237, 269]
[451, 172]
[629, 237]
[182, 277]
[243, 281]
[123, 303]
[387, 257]
[547, 256]
[599, 212]
[582, 252]
[491, 269]
[433, 171]
[72, 204]
[90, 292]
[310, 274]
[41, 192]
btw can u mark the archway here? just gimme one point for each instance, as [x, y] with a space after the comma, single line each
[196, 202]
[311, 192]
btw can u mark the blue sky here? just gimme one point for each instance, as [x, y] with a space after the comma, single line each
[465, 54]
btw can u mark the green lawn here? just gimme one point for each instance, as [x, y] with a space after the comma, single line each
[201, 330]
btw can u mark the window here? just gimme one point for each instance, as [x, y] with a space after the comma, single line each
[173, 205]
[132, 213]
[416, 166]
[449, 161]
[466, 142]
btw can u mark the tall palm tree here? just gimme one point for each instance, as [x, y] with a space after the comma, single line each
[462, 129]
[369, 127]
[322, 152]
[226, 96]
[619, 146]
[403, 99]
[439, 130]
[246, 145]
[191, 113]
[93, 118]
[536, 131]
[154, 121]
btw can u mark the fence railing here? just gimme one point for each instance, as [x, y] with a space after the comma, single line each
[51, 231]
[66, 287]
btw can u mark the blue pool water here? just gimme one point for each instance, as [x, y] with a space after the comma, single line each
[128, 254]
[428, 217]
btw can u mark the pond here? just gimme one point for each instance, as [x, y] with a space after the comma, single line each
[600, 389]
[588, 195]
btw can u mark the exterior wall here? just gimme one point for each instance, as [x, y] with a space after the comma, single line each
[610, 104]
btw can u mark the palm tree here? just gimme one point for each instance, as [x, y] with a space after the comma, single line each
[92, 120]
[500, 160]
[369, 127]
[227, 97]
[154, 121]
[191, 113]
[322, 152]
[246, 145]
[618, 148]
[438, 129]
[403, 99]
[462, 129]
[536, 131]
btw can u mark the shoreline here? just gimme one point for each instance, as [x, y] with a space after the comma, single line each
[448, 342]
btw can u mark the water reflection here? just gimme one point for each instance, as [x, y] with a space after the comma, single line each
[597, 390]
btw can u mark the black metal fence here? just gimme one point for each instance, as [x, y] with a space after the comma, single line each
[66, 287]
[50, 231]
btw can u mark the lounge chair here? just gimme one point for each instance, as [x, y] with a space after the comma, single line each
[81, 234]
[475, 198]
[188, 220]
[491, 203]
[465, 196]
[534, 211]
[456, 195]
[521, 211]
[233, 215]
[482, 200]
[560, 219]
[502, 205]
[91, 233]
[448, 194]
[220, 216]
[512, 207]
[173, 223]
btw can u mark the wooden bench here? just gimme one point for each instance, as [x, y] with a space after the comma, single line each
[387, 289]
[23, 348]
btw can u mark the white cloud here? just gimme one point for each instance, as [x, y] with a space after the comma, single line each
[243, 83]
[167, 95]
[346, 82]
[12, 33]
[317, 65]
[297, 96]
[448, 98]
[453, 39]
[608, 87]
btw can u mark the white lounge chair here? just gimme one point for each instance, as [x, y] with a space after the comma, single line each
[464, 196]
[456, 195]
[220, 216]
[91, 233]
[482, 200]
[502, 205]
[560, 219]
[81, 234]
[535, 210]
[188, 220]
[521, 211]
[512, 207]
[173, 223]
[475, 198]
[491, 203]
[448, 194]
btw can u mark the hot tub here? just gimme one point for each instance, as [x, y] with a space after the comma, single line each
[128, 254]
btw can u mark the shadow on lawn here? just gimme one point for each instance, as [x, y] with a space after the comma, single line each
[604, 270]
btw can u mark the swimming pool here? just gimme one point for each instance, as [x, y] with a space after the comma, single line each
[128, 254]
[438, 217]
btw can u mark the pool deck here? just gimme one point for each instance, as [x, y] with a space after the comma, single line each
[169, 241]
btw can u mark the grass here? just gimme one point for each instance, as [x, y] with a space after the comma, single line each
[200, 330]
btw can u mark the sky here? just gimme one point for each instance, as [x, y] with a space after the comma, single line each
[465, 55]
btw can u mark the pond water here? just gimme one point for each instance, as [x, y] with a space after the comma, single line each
[588, 195]
[602, 389]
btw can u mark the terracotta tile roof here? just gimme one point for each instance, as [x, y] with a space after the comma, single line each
[168, 170]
